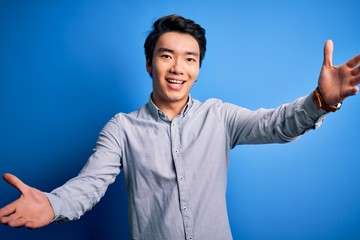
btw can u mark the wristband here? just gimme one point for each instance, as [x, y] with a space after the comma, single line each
[320, 103]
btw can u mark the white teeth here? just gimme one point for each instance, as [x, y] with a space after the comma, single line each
[175, 81]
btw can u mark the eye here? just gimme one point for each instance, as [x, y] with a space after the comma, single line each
[191, 59]
[165, 56]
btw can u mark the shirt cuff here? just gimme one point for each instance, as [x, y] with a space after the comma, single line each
[55, 203]
[317, 115]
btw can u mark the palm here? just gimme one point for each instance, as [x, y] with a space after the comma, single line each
[31, 210]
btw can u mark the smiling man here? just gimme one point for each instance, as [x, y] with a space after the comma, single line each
[174, 68]
[174, 150]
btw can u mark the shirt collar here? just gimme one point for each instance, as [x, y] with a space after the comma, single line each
[158, 114]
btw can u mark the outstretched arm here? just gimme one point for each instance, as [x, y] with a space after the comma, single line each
[31, 210]
[338, 82]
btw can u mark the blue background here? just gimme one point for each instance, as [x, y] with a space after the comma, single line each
[66, 67]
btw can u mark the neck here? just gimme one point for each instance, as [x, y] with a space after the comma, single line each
[171, 109]
[171, 113]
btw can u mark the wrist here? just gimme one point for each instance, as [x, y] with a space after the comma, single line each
[320, 102]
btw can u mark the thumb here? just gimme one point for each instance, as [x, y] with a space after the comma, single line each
[328, 52]
[15, 182]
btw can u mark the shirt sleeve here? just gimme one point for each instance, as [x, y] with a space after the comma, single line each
[82, 192]
[279, 125]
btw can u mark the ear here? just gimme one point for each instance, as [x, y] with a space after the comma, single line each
[148, 66]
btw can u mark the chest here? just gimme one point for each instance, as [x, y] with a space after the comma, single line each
[161, 148]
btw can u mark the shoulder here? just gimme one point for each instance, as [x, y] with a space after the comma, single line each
[133, 114]
[218, 105]
[132, 118]
[209, 103]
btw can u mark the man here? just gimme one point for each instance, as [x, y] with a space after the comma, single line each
[174, 150]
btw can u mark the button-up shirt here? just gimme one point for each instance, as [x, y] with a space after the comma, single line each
[176, 171]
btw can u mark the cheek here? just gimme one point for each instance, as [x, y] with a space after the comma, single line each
[157, 76]
[194, 72]
[159, 69]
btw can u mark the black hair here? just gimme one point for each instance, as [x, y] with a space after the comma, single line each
[174, 23]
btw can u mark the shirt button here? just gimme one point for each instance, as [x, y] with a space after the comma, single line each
[190, 238]
[185, 209]
[181, 178]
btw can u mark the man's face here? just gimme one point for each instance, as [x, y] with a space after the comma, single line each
[174, 68]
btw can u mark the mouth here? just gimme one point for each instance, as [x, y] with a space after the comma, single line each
[175, 81]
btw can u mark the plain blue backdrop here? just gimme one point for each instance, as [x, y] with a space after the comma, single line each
[66, 67]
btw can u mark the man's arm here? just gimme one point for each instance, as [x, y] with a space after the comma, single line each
[336, 83]
[32, 209]
[36, 209]
[289, 121]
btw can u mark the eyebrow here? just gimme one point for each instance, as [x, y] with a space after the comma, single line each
[160, 50]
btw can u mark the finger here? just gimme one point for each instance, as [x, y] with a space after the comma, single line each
[356, 90]
[356, 71]
[15, 182]
[31, 225]
[355, 81]
[10, 218]
[353, 63]
[352, 91]
[7, 210]
[328, 52]
[20, 222]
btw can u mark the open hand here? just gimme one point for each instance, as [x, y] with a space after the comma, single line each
[338, 82]
[31, 210]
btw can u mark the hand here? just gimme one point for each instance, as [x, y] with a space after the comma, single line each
[338, 82]
[31, 210]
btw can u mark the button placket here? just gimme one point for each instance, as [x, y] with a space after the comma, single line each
[182, 187]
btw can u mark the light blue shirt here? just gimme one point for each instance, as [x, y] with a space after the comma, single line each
[176, 171]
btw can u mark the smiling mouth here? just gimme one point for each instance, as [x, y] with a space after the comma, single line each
[174, 81]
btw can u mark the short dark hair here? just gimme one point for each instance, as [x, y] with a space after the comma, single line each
[174, 23]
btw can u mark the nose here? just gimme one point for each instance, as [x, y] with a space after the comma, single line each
[177, 67]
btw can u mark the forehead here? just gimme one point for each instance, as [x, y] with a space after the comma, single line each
[178, 42]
